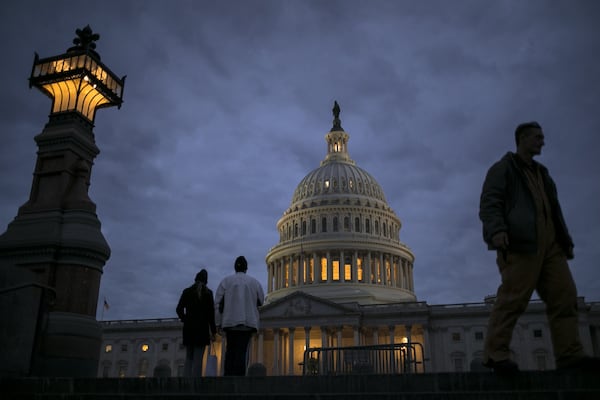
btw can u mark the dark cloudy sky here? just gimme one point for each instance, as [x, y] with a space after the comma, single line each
[227, 104]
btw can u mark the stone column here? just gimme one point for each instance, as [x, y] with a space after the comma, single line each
[375, 335]
[393, 271]
[342, 267]
[222, 357]
[329, 268]
[317, 266]
[291, 351]
[426, 350]
[292, 278]
[355, 267]
[276, 353]
[277, 275]
[391, 330]
[367, 269]
[409, 359]
[382, 269]
[301, 272]
[261, 343]
[402, 274]
[324, 337]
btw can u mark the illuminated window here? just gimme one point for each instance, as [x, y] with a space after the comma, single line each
[327, 184]
[335, 274]
[108, 348]
[145, 347]
[311, 270]
[359, 269]
[323, 268]
[348, 271]
[351, 184]
[286, 269]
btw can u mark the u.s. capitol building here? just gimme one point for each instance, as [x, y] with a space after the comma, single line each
[340, 277]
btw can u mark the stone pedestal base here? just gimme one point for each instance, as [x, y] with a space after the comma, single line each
[71, 346]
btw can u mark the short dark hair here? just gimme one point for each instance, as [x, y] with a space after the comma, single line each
[241, 265]
[524, 127]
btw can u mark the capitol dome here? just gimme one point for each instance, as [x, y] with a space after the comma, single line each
[339, 239]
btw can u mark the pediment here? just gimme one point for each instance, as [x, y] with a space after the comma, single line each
[301, 304]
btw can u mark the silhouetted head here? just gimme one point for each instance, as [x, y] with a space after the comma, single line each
[524, 128]
[241, 265]
[202, 276]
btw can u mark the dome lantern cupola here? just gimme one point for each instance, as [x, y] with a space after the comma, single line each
[337, 140]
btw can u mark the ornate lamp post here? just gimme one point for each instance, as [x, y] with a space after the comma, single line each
[77, 80]
[55, 241]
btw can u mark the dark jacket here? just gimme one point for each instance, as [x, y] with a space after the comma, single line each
[197, 315]
[507, 205]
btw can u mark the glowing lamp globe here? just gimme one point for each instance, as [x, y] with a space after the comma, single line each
[77, 81]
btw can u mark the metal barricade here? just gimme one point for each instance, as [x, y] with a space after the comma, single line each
[400, 358]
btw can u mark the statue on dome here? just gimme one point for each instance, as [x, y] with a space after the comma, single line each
[337, 123]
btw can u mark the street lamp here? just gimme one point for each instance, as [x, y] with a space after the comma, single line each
[77, 80]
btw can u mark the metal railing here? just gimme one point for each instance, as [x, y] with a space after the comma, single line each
[398, 358]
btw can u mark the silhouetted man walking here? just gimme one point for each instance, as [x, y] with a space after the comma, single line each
[523, 222]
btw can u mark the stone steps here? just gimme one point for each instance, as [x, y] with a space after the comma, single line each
[550, 385]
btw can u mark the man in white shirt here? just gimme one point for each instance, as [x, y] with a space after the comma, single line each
[237, 300]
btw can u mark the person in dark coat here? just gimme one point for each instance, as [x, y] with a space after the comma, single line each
[523, 222]
[196, 309]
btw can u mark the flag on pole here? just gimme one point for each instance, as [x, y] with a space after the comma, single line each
[106, 306]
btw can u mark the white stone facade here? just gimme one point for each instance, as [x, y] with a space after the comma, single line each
[451, 335]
